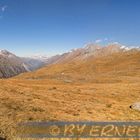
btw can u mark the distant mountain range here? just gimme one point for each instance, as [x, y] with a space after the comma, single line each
[11, 65]
[90, 50]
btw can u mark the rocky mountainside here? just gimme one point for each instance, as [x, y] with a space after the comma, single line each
[11, 65]
[32, 63]
[92, 63]
[90, 50]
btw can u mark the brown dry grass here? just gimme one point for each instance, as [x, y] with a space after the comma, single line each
[95, 90]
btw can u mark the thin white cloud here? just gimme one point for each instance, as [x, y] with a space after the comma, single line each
[103, 40]
[98, 40]
[3, 8]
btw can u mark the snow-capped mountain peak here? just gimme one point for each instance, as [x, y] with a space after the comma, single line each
[6, 53]
[125, 48]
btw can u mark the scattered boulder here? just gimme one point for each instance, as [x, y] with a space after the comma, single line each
[135, 106]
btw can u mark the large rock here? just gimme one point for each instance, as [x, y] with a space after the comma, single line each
[135, 106]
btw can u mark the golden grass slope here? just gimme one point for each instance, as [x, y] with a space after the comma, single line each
[95, 89]
[118, 67]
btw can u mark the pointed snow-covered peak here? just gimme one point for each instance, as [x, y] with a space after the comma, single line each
[6, 53]
[125, 48]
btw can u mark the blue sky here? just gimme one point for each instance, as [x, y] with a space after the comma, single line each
[54, 26]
